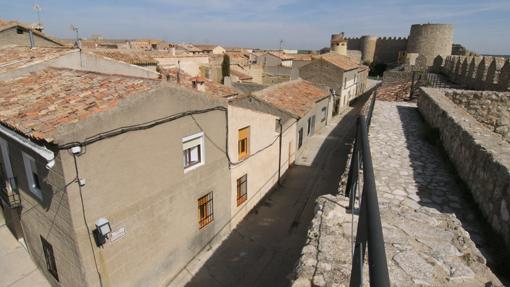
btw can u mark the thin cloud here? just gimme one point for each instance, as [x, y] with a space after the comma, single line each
[301, 24]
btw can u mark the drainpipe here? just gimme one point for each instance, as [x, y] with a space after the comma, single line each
[31, 38]
[280, 153]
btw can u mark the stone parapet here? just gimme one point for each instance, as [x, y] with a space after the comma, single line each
[489, 108]
[481, 157]
[475, 72]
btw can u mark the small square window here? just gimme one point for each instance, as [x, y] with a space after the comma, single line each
[33, 178]
[205, 210]
[19, 30]
[242, 189]
[193, 151]
[243, 143]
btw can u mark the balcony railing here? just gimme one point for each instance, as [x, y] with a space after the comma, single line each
[10, 194]
[369, 229]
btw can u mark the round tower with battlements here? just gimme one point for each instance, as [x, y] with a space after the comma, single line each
[339, 44]
[430, 40]
[368, 44]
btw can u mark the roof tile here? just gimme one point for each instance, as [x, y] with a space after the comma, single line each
[296, 97]
[36, 104]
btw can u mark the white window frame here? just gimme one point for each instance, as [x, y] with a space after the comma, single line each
[199, 137]
[6, 159]
[30, 169]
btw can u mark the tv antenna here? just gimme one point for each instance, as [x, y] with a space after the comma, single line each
[37, 8]
[75, 29]
[281, 44]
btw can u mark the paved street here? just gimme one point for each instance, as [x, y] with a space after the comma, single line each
[263, 249]
[16, 266]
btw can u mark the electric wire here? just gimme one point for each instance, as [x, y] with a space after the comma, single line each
[85, 220]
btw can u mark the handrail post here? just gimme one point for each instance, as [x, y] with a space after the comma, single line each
[352, 179]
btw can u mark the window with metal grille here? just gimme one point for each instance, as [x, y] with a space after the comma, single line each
[243, 143]
[242, 189]
[49, 257]
[205, 210]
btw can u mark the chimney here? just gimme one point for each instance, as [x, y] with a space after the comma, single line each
[31, 38]
[227, 81]
[198, 83]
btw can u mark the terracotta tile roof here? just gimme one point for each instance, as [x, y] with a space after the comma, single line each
[237, 55]
[395, 92]
[296, 97]
[212, 89]
[4, 22]
[302, 57]
[189, 48]
[15, 57]
[281, 55]
[240, 75]
[341, 61]
[135, 57]
[205, 47]
[37, 104]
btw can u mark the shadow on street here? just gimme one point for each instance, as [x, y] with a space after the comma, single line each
[264, 248]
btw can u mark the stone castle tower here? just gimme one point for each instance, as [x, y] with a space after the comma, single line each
[430, 40]
[339, 44]
[425, 40]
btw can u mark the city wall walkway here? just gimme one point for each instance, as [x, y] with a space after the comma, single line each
[433, 233]
[430, 226]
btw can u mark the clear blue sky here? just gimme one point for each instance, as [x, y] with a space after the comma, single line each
[483, 26]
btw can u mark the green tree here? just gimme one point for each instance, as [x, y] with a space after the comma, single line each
[225, 66]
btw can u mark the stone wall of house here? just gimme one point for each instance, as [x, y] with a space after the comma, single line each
[490, 108]
[481, 158]
[475, 72]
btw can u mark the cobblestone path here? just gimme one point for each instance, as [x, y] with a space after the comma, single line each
[430, 226]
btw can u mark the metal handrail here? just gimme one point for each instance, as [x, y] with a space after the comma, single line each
[10, 194]
[369, 230]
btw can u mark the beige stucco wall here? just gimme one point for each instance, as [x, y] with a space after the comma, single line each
[190, 65]
[261, 168]
[329, 76]
[11, 37]
[74, 59]
[137, 181]
[48, 217]
[349, 87]
[95, 63]
[323, 74]
[218, 50]
[316, 111]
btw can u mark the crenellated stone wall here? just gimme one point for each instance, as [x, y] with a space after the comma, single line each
[476, 73]
[378, 49]
[481, 157]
